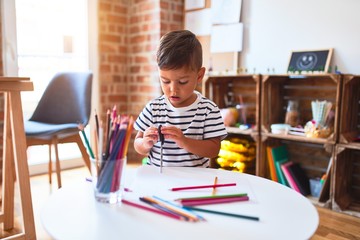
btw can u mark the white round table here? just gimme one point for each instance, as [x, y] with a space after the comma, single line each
[73, 213]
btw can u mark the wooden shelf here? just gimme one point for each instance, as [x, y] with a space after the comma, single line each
[339, 152]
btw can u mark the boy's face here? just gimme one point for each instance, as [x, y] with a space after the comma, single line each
[179, 85]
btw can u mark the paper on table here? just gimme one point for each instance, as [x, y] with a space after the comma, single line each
[149, 182]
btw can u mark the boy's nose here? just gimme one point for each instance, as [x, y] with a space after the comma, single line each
[173, 88]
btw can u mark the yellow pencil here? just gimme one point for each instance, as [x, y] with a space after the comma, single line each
[214, 188]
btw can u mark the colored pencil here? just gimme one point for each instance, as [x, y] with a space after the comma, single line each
[203, 186]
[224, 213]
[81, 128]
[150, 209]
[176, 209]
[216, 196]
[213, 201]
[214, 188]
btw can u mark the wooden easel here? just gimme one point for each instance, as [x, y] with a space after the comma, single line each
[15, 166]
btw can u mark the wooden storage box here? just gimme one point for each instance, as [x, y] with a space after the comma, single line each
[225, 91]
[277, 90]
[350, 110]
[312, 157]
[229, 91]
[346, 180]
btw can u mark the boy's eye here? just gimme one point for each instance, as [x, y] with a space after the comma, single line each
[165, 81]
[183, 82]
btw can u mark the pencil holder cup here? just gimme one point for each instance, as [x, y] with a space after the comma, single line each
[107, 179]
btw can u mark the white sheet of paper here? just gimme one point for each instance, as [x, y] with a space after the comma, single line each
[194, 4]
[225, 11]
[149, 176]
[227, 38]
[199, 22]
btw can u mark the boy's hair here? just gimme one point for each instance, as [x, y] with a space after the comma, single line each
[178, 49]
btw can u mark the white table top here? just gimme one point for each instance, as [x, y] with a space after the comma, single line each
[73, 213]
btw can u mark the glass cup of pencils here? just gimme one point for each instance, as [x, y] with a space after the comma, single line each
[107, 179]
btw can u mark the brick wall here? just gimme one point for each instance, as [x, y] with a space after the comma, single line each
[129, 32]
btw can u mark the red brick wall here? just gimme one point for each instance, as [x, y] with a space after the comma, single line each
[129, 32]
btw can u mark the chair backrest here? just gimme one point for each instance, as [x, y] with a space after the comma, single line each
[67, 99]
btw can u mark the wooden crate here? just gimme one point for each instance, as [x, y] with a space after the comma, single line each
[220, 88]
[277, 90]
[217, 88]
[312, 157]
[346, 180]
[350, 110]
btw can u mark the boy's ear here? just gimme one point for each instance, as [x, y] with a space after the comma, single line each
[201, 74]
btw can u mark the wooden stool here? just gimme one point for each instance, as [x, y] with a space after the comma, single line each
[15, 166]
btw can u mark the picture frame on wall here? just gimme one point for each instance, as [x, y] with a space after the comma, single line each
[310, 61]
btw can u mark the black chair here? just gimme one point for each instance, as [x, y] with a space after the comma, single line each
[65, 104]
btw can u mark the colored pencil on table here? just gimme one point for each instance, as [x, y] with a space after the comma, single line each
[224, 213]
[203, 186]
[212, 201]
[179, 206]
[150, 209]
[214, 196]
[176, 209]
[214, 188]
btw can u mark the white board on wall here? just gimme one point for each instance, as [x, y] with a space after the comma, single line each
[227, 38]
[225, 11]
[199, 22]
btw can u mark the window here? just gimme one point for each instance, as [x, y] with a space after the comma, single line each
[50, 36]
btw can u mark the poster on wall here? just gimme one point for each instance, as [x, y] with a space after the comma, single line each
[194, 4]
[227, 38]
[199, 22]
[225, 11]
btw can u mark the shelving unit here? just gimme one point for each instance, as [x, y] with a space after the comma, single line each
[346, 181]
[225, 90]
[338, 155]
[346, 172]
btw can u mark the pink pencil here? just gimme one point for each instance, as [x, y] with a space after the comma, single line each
[203, 186]
[212, 201]
[150, 209]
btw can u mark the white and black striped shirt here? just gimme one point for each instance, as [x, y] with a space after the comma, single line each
[201, 120]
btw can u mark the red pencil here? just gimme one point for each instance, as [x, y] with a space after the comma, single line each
[203, 186]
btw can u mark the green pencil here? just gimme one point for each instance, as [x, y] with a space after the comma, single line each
[224, 213]
[215, 196]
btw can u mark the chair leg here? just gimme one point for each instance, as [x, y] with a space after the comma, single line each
[50, 164]
[83, 151]
[57, 162]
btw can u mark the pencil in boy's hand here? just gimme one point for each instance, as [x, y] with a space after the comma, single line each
[203, 186]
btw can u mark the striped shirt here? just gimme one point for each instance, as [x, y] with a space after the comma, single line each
[201, 120]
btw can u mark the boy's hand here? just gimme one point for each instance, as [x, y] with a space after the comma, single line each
[150, 137]
[175, 134]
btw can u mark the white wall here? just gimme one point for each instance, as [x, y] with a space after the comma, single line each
[274, 28]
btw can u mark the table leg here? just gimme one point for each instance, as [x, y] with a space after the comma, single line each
[21, 164]
[8, 171]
